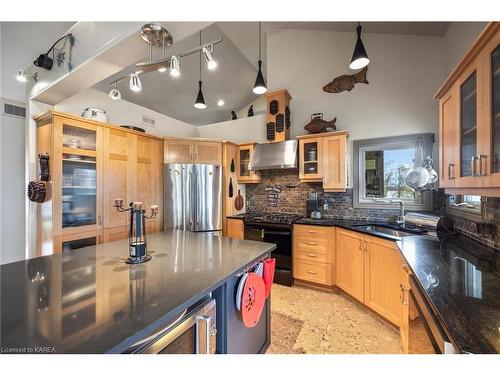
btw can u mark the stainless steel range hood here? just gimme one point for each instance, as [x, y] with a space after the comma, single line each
[279, 155]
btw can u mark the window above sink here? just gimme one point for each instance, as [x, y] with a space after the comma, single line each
[380, 167]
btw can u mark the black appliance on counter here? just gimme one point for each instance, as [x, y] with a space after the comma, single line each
[277, 229]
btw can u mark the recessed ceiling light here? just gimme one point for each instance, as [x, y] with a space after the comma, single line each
[220, 103]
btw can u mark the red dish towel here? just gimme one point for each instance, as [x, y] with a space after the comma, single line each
[269, 266]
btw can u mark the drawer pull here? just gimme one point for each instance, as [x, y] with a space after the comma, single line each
[311, 231]
[311, 256]
[312, 272]
[312, 243]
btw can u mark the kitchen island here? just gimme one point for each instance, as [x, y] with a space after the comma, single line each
[90, 301]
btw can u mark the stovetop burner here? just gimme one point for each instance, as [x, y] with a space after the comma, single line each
[277, 218]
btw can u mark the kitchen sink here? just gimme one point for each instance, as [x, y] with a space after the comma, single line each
[390, 230]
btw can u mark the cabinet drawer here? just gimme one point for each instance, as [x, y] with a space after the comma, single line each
[312, 231]
[316, 249]
[315, 272]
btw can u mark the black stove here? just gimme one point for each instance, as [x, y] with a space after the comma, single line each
[275, 218]
[274, 228]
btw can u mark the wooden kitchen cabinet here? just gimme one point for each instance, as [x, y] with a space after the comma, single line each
[243, 156]
[349, 259]
[322, 158]
[75, 241]
[115, 234]
[470, 120]
[369, 269]
[184, 151]
[91, 164]
[313, 254]
[404, 326]
[235, 228]
[382, 263]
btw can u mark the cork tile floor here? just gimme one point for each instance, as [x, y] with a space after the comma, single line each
[314, 322]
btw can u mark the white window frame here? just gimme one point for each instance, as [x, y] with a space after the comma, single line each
[390, 143]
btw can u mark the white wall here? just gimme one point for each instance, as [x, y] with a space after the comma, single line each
[248, 129]
[259, 106]
[457, 40]
[12, 188]
[121, 112]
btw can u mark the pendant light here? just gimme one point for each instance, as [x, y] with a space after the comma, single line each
[200, 100]
[260, 85]
[359, 57]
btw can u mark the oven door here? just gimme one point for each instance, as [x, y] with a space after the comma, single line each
[191, 332]
[426, 333]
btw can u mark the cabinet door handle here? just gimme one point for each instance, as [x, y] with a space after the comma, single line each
[311, 256]
[405, 267]
[450, 176]
[480, 159]
[99, 220]
[312, 243]
[366, 245]
[473, 166]
[312, 272]
[99, 239]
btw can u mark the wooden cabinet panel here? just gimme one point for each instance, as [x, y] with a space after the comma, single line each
[404, 325]
[383, 278]
[448, 128]
[75, 241]
[120, 149]
[349, 258]
[316, 272]
[235, 229]
[157, 161]
[334, 163]
[178, 151]
[311, 231]
[115, 234]
[207, 152]
[312, 249]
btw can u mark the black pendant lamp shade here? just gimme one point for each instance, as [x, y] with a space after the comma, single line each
[260, 85]
[359, 57]
[200, 100]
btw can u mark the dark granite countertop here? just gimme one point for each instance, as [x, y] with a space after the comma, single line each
[90, 301]
[461, 279]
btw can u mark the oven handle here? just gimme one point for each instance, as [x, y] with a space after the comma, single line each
[287, 233]
[207, 321]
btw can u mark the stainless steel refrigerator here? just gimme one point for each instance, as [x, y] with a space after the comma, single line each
[193, 197]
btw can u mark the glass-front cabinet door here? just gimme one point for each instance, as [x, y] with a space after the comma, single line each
[310, 151]
[77, 178]
[468, 126]
[244, 174]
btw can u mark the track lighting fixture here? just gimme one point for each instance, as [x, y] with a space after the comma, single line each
[162, 69]
[115, 94]
[211, 63]
[174, 66]
[135, 82]
[359, 57]
[260, 84]
[21, 76]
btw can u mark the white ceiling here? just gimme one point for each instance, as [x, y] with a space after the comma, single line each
[237, 56]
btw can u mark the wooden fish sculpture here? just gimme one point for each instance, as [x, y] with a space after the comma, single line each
[318, 125]
[346, 82]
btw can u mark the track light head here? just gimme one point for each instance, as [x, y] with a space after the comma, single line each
[115, 94]
[211, 63]
[175, 66]
[135, 83]
[21, 76]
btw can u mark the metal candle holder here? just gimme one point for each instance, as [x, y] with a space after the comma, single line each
[137, 241]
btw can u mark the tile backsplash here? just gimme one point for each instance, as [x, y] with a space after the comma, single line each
[293, 196]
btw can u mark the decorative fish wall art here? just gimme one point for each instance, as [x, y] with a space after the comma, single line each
[346, 82]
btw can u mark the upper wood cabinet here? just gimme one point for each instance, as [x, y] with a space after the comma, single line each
[469, 106]
[322, 158]
[182, 151]
[243, 156]
[91, 165]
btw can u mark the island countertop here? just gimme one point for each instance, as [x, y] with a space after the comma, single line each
[90, 301]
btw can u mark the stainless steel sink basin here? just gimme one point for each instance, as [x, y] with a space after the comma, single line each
[386, 229]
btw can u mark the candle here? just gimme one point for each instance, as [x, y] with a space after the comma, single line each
[154, 209]
[137, 205]
[118, 202]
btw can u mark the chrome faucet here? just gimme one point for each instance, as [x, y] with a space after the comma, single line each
[401, 218]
